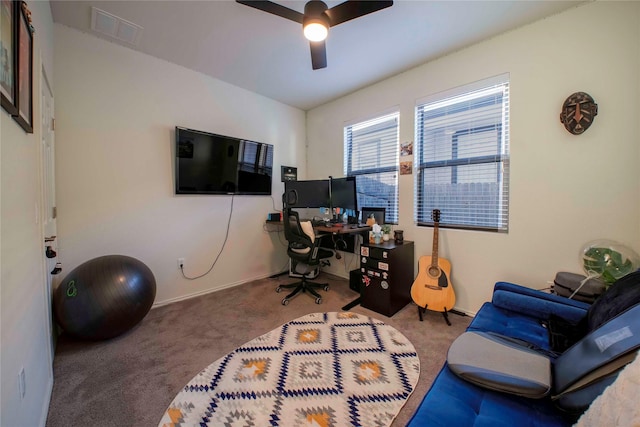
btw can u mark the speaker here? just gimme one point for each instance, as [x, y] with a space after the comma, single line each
[355, 281]
[288, 173]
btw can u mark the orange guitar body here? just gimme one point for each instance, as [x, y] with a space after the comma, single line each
[432, 288]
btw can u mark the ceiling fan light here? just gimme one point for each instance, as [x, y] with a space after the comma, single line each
[315, 30]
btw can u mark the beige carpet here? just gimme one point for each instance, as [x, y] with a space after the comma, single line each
[131, 379]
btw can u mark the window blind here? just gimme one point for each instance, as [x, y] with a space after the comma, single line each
[462, 157]
[371, 155]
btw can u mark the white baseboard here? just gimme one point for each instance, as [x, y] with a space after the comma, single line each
[207, 291]
[467, 312]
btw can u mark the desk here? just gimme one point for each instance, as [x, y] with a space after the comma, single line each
[335, 229]
[342, 237]
[342, 229]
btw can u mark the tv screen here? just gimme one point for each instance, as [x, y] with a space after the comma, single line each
[309, 194]
[207, 163]
[343, 193]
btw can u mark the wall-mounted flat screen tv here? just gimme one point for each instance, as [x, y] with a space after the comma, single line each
[207, 163]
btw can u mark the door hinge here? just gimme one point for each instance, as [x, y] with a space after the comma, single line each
[54, 212]
[50, 253]
[53, 124]
[57, 269]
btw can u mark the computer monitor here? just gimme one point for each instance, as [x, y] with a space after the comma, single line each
[309, 194]
[343, 193]
[378, 214]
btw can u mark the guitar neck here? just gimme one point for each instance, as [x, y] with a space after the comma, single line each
[434, 251]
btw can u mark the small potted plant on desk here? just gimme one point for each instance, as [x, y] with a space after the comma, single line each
[386, 232]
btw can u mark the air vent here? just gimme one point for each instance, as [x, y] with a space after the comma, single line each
[114, 27]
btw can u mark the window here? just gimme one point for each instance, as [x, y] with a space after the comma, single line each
[371, 155]
[462, 157]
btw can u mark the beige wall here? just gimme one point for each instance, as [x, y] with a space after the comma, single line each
[116, 112]
[25, 339]
[565, 190]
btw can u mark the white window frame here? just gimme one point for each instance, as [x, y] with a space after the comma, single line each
[372, 157]
[461, 161]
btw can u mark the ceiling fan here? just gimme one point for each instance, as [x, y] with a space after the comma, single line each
[317, 18]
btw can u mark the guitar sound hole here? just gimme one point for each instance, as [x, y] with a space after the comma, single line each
[434, 271]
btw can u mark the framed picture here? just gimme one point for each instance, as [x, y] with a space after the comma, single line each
[406, 168]
[406, 148]
[24, 116]
[8, 55]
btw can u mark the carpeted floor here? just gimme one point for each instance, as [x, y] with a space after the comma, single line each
[130, 380]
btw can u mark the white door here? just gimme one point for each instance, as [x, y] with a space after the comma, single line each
[48, 196]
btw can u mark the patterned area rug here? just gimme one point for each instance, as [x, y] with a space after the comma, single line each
[322, 369]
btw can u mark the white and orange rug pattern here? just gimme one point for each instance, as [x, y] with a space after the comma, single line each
[322, 370]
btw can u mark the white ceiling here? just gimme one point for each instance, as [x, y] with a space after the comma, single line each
[269, 55]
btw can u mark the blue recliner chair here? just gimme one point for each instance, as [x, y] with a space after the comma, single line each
[482, 385]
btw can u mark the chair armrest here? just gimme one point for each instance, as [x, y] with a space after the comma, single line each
[536, 303]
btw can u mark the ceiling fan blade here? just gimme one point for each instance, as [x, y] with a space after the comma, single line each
[275, 9]
[354, 9]
[318, 55]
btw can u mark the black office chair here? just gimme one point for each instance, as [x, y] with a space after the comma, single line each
[305, 253]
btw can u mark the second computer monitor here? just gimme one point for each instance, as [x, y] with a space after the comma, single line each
[343, 193]
[308, 194]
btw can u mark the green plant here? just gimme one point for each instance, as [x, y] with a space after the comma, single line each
[386, 229]
[608, 263]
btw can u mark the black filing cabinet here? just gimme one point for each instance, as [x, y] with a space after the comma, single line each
[387, 275]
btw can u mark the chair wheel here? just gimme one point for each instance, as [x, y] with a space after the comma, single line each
[326, 287]
[278, 289]
[285, 301]
[318, 300]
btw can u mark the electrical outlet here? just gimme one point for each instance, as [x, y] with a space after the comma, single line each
[180, 263]
[22, 385]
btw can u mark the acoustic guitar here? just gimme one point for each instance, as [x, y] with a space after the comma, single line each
[432, 288]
